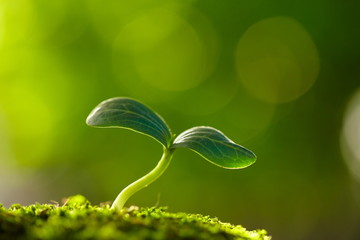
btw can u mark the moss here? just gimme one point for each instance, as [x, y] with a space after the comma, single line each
[78, 219]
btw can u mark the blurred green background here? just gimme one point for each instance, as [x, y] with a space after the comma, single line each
[279, 77]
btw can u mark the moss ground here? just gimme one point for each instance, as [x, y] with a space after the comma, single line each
[78, 219]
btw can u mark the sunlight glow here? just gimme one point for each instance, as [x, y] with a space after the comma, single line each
[16, 21]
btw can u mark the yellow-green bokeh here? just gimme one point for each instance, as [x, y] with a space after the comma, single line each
[277, 60]
[280, 78]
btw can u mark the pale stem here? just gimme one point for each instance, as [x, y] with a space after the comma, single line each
[143, 182]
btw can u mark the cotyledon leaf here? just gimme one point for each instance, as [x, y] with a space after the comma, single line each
[122, 112]
[215, 147]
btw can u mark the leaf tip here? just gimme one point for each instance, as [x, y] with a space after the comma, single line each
[90, 118]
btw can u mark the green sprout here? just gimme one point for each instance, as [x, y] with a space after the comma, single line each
[208, 142]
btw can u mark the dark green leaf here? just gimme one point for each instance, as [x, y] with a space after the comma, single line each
[215, 147]
[128, 113]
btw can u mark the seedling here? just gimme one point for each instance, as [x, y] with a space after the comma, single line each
[208, 142]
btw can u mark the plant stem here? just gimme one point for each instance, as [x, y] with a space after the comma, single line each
[143, 182]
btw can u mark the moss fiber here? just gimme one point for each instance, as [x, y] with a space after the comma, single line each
[78, 219]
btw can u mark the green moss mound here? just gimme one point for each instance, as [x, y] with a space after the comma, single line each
[78, 219]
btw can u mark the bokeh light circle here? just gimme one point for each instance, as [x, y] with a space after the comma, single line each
[166, 51]
[277, 60]
[350, 137]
